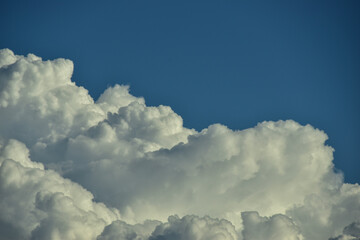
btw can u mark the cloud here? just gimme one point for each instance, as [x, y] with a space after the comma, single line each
[220, 171]
[40, 204]
[194, 228]
[38, 101]
[62, 153]
[321, 216]
[277, 227]
[189, 227]
[351, 232]
[121, 230]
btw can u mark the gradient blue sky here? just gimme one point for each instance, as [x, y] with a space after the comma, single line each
[233, 62]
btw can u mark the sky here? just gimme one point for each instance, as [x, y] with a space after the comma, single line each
[180, 120]
[236, 63]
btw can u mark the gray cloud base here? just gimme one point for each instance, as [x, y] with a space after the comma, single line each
[72, 168]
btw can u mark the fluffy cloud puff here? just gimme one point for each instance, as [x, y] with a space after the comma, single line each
[189, 227]
[277, 227]
[121, 230]
[268, 168]
[321, 216]
[351, 232]
[38, 101]
[142, 162]
[194, 228]
[40, 204]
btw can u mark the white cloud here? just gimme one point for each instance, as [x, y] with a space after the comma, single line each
[116, 97]
[189, 227]
[277, 227]
[39, 103]
[121, 230]
[143, 162]
[194, 228]
[321, 216]
[40, 204]
[219, 171]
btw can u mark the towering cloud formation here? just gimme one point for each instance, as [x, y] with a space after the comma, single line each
[72, 168]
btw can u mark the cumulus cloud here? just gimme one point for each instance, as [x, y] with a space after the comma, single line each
[220, 171]
[351, 232]
[189, 227]
[62, 154]
[121, 230]
[194, 228]
[40, 204]
[321, 216]
[38, 101]
[277, 227]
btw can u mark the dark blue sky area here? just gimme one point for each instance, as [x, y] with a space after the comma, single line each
[233, 62]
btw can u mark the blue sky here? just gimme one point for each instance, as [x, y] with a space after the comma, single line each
[233, 62]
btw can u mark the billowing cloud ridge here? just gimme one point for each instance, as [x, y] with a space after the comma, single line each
[75, 168]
